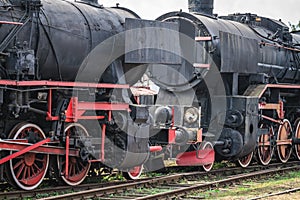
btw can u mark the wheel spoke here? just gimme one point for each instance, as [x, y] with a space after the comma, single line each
[265, 149]
[77, 169]
[72, 169]
[246, 160]
[24, 173]
[27, 171]
[20, 170]
[297, 136]
[134, 173]
[284, 149]
[18, 164]
[32, 170]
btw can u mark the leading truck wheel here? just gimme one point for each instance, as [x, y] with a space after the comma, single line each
[28, 170]
[134, 173]
[246, 160]
[77, 168]
[207, 146]
[284, 141]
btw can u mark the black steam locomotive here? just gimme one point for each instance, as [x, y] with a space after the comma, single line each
[57, 105]
[228, 88]
[240, 77]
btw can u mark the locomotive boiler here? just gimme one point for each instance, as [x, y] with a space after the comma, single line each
[53, 114]
[241, 74]
[58, 34]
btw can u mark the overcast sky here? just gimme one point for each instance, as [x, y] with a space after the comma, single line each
[287, 10]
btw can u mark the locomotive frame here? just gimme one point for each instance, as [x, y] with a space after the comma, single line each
[73, 112]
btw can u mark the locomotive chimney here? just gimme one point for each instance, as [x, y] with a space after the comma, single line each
[201, 6]
[90, 2]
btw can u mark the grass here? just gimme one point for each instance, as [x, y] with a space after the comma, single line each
[253, 188]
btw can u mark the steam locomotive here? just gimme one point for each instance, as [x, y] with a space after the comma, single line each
[54, 114]
[240, 77]
[228, 88]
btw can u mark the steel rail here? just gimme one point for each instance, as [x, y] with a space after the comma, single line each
[185, 191]
[160, 181]
[276, 194]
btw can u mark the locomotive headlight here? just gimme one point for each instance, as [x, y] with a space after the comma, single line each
[191, 115]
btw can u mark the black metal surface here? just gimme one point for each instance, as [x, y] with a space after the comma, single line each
[237, 47]
[63, 33]
[151, 42]
[235, 51]
[242, 43]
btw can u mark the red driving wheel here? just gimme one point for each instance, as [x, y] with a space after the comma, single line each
[27, 171]
[77, 168]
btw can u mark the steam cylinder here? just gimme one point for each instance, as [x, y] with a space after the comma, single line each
[63, 33]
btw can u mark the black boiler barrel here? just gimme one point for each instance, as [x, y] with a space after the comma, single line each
[74, 30]
[234, 48]
[63, 33]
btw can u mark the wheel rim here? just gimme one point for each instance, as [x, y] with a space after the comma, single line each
[284, 144]
[78, 169]
[208, 167]
[246, 160]
[134, 173]
[297, 146]
[28, 170]
[265, 149]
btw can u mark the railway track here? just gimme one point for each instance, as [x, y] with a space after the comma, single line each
[44, 192]
[59, 190]
[276, 194]
[179, 185]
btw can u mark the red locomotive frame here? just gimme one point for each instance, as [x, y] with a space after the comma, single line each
[74, 112]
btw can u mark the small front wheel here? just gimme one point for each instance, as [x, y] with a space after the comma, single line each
[207, 146]
[134, 173]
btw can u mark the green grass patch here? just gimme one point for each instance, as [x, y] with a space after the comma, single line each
[253, 188]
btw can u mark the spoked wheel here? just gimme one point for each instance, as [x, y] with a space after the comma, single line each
[77, 168]
[207, 146]
[134, 173]
[245, 161]
[284, 142]
[28, 170]
[297, 146]
[265, 149]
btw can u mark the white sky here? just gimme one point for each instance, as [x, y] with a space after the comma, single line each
[287, 10]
